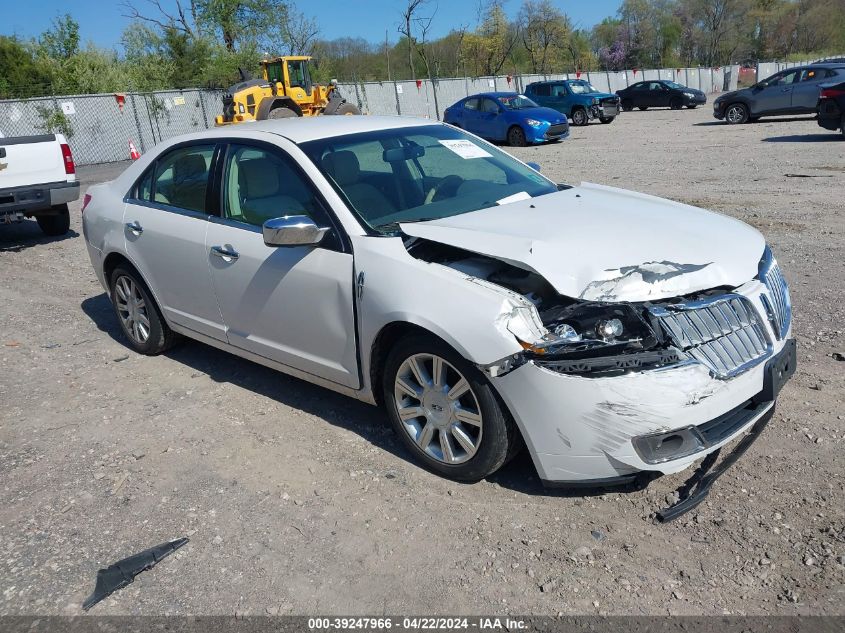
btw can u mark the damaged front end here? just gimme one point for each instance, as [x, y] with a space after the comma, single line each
[604, 391]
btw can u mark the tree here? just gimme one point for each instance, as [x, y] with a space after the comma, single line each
[544, 30]
[61, 41]
[406, 29]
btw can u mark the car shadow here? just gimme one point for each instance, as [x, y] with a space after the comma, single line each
[805, 138]
[222, 367]
[792, 119]
[344, 412]
[17, 237]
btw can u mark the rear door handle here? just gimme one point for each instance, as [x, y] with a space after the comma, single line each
[135, 227]
[226, 254]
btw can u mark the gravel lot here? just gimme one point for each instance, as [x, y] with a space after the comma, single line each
[297, 500]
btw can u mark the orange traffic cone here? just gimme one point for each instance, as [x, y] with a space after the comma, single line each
[134, 154]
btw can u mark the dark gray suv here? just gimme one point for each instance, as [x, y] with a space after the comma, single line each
[791, 91]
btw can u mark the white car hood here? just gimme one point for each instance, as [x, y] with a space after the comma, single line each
[601, 243]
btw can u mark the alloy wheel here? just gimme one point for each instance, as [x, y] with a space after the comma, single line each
[735, 114]
[438, 408]
[132, 309]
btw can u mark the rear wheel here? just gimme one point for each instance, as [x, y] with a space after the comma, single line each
[347, 109]
[579, 117]
[676, 103]
[282, 113]
[445, 411]
[643, 107]
[55, 223]
[606, 119]
[138, 313]
[516, 136]
[627, 105]
[736, 113]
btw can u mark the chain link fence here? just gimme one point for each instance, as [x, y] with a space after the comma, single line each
[100, 127]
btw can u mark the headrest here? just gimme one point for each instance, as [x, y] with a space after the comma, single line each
[259, 178]
[189, 167]
[342, 166]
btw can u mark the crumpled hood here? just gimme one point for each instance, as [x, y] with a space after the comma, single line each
[606, 244]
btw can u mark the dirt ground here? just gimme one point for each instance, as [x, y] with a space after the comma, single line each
[300, 501]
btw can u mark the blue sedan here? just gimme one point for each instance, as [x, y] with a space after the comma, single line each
[507, 116]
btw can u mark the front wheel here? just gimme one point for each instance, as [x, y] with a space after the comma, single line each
[579, 117]
[55, 223]
[347, 109]
[445, 411]
[606, 119]
[516, 137]
[627, 105]
[736, 113]
[282, 113]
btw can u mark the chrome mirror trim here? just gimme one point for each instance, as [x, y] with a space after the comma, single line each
[292, 230]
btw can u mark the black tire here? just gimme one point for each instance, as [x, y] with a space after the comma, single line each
[579, 117]
[627, 105]
[282, 113]
[347, 109]
[643, 107]
[161, 337]
[692, 106]
[55, 223]
[499, 440]
[842, 127]
[516, 137]
[606, 119]
[736, 113]
[676, 103]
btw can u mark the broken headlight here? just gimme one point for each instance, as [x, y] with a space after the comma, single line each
[591, 329]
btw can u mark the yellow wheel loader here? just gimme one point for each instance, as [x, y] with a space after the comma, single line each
[286, 90]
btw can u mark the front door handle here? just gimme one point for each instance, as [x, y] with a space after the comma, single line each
[135, 227]
[226, 254]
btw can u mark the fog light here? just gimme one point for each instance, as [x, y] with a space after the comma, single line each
[666, 446]
[566, 331]
[609, 329]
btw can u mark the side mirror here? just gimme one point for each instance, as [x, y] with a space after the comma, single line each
[534, 166]
[292, 230]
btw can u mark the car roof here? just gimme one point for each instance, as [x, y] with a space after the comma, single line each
[304, 129]
[493, 94]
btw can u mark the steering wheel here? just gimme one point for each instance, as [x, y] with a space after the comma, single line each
[449, 181]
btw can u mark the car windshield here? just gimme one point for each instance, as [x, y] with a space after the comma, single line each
[517, 102]
[582, 87]
[672, 84]
[418, 173]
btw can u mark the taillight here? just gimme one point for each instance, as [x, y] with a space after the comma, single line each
[85, 200]
[832, 93]
[70, 168]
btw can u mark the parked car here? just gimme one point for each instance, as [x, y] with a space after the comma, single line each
[37, 180]
[575, 98]
[660, 93]
[507, 116]
[792, 91]
[832, 107]
[408, 263]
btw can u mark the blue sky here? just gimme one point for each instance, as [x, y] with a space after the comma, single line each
[103, 22]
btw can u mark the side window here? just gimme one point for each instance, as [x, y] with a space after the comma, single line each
[558, 90]
[640, 86]
[656, 86]
[814, 74]
[488, 105]
[471, 104]
[181, 177]
[784, 79]
[542, 90]
[144, 190]
[262, 184]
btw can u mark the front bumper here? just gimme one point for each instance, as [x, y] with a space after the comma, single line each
[718, 110]
[586, 430]
[547, 132]
[696, 100]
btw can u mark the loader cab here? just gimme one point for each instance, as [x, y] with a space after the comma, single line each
[294, 75]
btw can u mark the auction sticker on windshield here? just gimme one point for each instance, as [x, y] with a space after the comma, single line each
[465, 149]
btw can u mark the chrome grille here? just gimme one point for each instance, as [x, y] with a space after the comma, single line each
[777, 303]
[725, 334]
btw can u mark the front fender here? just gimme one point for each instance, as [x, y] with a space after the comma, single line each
[393, 286]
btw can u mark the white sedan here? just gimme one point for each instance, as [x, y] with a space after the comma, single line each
[410, 264]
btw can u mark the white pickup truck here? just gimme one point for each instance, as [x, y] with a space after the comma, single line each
[37, 179]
